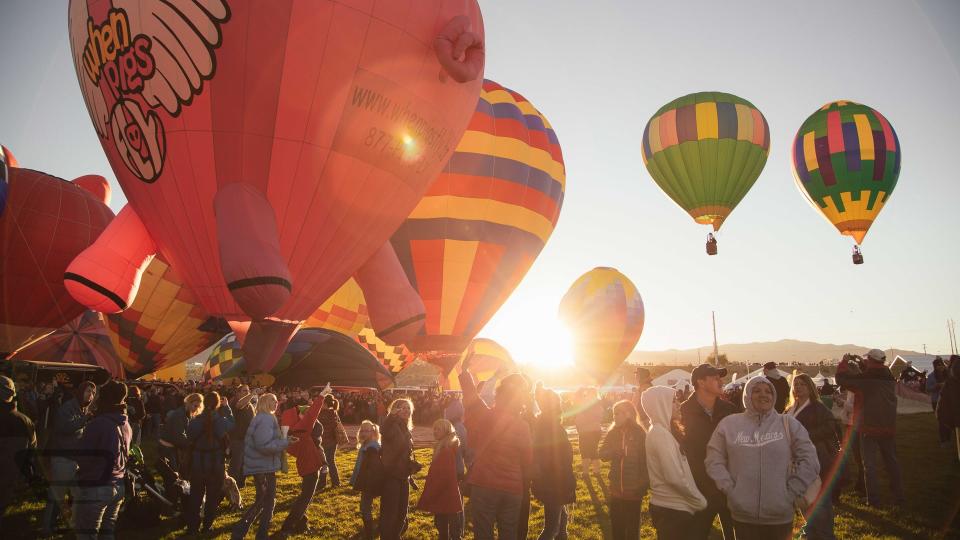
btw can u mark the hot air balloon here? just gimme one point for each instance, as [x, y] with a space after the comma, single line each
[46, 223]
[489, 362]
[705, 151]
[268, 149]
[605, 314]
[224, 361]
[314, 357]
[164, 326]
[83, 340]
[478, 229]
[846, 161]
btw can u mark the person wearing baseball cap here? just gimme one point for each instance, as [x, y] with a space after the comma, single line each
[17, 437]
[700, 414]
[878, 389]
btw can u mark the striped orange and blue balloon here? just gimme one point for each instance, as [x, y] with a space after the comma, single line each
[478, 229]
[846, 161]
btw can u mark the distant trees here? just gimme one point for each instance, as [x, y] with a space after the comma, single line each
[721, 362]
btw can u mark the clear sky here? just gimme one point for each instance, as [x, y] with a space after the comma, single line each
[598, 70]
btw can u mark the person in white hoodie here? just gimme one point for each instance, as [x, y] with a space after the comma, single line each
[763, 462]
[674, 497]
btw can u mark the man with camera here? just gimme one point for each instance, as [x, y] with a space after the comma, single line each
[876, 386]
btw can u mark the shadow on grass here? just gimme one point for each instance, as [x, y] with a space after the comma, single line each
[599, 506]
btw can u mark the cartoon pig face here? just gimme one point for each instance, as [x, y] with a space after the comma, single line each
[270, 148]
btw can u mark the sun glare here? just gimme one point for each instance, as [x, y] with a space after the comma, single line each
[546, 344]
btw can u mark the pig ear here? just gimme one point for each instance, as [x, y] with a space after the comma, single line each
[460, 50]
[95, 185]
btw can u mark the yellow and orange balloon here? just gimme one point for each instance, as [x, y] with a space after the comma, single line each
[605, 314]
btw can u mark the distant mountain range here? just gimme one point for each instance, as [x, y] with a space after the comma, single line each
[785, 350]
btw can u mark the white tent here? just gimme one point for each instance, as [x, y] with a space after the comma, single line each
[677, 378]
[754, 373]
[821, 378]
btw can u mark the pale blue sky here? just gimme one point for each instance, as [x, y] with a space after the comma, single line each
[598, 70]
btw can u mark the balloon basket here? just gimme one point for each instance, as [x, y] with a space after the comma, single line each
[711, 245]
[857, 256]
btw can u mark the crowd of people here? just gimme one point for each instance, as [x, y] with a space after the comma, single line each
[754, 465]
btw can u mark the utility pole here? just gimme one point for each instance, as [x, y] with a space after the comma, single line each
[716, 351]
[952, 335]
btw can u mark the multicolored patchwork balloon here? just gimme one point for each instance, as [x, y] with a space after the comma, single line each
[481, 225]
[846, 160]
[164, 326]
[705, 151]
[605, 313]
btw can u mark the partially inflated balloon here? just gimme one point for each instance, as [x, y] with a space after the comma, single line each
[47, 222]
[481, 225]
[846, 160]
[164, 326]
[705, 151]
[488, 361]
[83, 340]
[268, 149]
[224, 360]
[605, 314]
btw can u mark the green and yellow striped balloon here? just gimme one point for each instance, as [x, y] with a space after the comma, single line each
[705, 151]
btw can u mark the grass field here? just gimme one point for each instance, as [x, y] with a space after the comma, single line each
[931, 476]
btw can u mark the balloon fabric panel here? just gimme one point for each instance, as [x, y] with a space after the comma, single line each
[335, 113]
[846, 161]
[164, 326]
[705, 151]
[474, 235]
[344, 312]
[393, 357]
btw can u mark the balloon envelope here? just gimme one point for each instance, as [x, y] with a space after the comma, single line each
[705, 151]
[83, 340]
[164, 326]
[474, 235]
[846, 161]
[46, 223]
[605, 314]
[270, 148]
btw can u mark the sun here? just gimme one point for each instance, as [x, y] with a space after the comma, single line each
[542, 342]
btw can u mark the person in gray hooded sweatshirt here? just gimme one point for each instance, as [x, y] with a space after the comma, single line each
[763, 462]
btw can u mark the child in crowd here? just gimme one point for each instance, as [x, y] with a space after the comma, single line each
[441, 491]
[367, 474]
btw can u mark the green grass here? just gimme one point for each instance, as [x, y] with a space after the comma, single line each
[931, 476]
